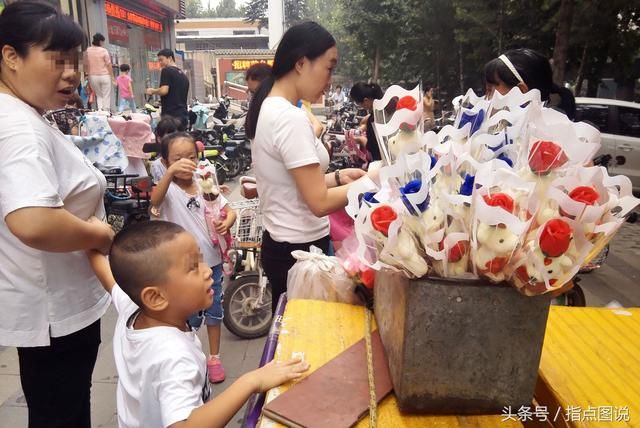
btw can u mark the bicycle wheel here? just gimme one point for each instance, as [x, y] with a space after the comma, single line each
[242, 315]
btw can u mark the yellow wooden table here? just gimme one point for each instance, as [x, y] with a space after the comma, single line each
[590, 367]
[323, 330]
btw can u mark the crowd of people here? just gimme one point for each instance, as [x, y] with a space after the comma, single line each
[56, 281]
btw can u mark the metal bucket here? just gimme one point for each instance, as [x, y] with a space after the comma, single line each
[459, 347]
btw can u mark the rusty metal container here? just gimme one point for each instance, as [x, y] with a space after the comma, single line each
[459, 347]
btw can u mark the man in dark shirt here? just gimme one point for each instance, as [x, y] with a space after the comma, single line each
[174, 88]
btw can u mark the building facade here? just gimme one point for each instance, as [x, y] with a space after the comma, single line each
[208, 34]
[135, 30]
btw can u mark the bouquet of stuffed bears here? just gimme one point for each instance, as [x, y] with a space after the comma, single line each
[505, 193]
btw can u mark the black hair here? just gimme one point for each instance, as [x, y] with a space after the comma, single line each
[259, 72]
[361, 90]
[32, 23]
[168, 125]
[167, 140]
[125, 67]
[306, 40]
[135, 259]
[533, 67]
[97, 39]
[168, 53]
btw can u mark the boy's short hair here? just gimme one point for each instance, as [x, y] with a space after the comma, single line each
[167, 53]
[136, 261]
[125, 67]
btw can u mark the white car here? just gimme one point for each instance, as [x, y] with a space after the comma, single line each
[619, 124]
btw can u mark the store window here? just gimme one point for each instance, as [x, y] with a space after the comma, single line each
[135, 39]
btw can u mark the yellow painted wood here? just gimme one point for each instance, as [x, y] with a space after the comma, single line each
[591, 360]
[321, 331]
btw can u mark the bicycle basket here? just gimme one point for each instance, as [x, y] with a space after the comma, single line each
[247, 230]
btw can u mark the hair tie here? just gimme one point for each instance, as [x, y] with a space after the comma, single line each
[510, 66]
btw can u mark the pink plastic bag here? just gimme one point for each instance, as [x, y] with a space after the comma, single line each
[341, 225]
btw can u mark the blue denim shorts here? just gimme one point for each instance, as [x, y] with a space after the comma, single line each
[213, 314]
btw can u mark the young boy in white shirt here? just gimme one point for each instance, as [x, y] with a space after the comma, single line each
[157, 279]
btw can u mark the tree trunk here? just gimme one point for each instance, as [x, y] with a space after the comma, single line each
[461, 77]
[376, 65]
[500, 24]
[581, 70]
[563, 32]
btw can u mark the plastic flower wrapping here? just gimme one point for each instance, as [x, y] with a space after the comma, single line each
[503, 194]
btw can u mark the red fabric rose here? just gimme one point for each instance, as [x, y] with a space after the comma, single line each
[585, 194]
[501, 200]
[522, 274]
[458, 251]
[368, 277]
[407, 102]
[495, 265]
[555, 237]
[545, 156]
[382, 217]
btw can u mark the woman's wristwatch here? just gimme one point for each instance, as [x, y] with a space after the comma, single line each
[337, 177]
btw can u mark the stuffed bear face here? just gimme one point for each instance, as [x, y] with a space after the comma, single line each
[498, 239]
[403, 140]
[433, 218]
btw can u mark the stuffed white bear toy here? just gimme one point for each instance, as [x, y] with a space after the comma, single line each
[496, 244]
[406, 140]
[406, 254]
[529, 277]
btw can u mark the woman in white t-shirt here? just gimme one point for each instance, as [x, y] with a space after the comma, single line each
[289, 161]
[51, 300]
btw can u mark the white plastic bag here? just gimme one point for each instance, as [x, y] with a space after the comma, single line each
[316, 276]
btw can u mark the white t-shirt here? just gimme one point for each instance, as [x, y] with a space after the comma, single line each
[44, 294]
[174, 209]
[285, 140]
[162, 371]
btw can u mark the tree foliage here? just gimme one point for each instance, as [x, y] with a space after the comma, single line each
[222, 9]
[445, 43]
[295, 11]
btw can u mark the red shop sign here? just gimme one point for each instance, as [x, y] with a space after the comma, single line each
[152, 40]
[118, 32]
[132, 17]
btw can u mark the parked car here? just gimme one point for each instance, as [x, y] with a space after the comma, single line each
[619, 124]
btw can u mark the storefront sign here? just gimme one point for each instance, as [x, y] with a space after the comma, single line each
[244, 64]
[132, 17]
[118, 32]
[152, 40]
[153, 66]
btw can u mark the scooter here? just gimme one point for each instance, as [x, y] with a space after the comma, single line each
[247, 301]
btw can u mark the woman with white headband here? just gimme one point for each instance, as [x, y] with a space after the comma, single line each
[527, 69]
